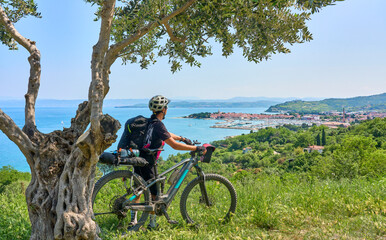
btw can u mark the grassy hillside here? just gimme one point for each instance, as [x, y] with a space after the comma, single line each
[374, 102]
[283, 192]
[269, 207]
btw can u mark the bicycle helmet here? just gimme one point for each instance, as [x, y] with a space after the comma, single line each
[157, 103]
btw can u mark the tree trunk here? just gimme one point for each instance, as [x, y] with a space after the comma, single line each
[63, 163]
[59, 195]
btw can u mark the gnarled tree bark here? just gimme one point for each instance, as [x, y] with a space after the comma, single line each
[59, 194]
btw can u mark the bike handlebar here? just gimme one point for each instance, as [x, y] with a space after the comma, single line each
[195, 142]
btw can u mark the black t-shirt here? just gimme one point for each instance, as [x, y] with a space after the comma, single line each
[156, 135]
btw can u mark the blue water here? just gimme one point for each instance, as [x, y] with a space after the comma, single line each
[49, 119]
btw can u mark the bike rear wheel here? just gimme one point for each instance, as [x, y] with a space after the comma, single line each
[109, 195]
[220, 207]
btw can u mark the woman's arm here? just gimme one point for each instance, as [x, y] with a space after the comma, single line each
[175, 137]
[181, 139]
[179, 146]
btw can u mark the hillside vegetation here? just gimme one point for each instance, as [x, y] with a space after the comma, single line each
[368, 103]
[351, 152]
[283, 191]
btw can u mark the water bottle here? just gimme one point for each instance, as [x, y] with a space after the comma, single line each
[124, 153]
[135, 152]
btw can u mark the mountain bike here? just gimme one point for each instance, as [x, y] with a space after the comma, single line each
[208, 198]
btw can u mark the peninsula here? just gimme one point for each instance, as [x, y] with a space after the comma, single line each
[253, 121]
[356, 104]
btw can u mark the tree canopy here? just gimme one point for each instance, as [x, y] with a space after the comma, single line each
[183, 31]
[15, 11]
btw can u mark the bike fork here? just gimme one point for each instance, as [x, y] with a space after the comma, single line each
[204, 193]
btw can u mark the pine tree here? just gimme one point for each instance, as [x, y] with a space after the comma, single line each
[318, 139]
[323, 137]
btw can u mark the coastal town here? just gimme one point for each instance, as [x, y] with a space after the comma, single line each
[254, 121]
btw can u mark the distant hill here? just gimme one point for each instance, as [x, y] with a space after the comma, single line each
[4, 103]
[364, 103]
[211, 104]
[274, 99]
[143, 103]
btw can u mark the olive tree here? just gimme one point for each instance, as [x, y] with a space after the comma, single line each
[63, 162]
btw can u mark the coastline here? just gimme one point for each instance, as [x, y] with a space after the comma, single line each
[242, 125]
[51, 119]
[248, 121]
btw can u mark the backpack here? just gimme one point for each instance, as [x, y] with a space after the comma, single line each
[134, 133]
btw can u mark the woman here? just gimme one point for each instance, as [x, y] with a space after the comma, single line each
[156, 137]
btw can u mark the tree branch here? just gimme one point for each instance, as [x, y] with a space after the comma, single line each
[114, 49]
[26, 43]
[106, 80]
[35, 72]
[172, 36]
[96, 91]
[33, 89]
[91, 141]
[16, 135]
[81, 120]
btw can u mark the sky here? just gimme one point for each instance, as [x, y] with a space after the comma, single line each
[345, 59]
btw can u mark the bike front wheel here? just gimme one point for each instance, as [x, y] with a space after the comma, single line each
[212, 200]
[110, 200]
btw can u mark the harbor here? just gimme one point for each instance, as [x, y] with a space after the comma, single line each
[248, 121]
[256, 125]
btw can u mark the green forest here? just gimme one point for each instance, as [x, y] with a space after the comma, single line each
[369, 103]
[284, 192]
[201, 115]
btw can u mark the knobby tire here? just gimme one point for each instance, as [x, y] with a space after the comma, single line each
[109, 191]
[222, 197]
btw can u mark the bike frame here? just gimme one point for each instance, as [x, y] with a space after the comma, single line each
[166, 199]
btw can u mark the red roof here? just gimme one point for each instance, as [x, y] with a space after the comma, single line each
[315, 147]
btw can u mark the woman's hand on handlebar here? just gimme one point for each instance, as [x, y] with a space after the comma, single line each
[187, 141]
[201, 150]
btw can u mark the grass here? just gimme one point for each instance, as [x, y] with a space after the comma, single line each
[14, 221]
[269, 207]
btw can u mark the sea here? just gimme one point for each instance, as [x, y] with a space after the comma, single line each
[49, 119]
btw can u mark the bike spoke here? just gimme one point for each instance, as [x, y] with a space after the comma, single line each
[97, 214]
[111, 197]
[208, 204]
